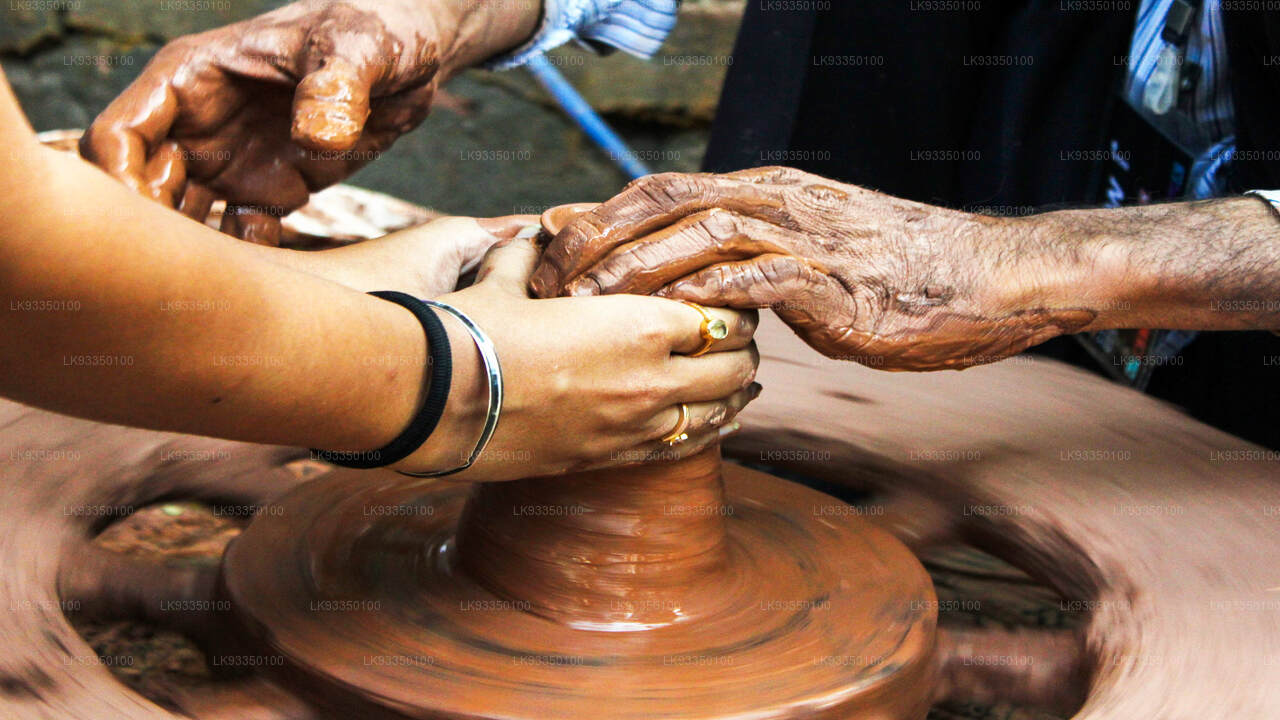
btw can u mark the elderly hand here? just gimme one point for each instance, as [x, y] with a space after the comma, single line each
[861, 276]
[266, 111]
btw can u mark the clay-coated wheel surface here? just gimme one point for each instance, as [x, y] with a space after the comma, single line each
[64, 478]
[354, 584]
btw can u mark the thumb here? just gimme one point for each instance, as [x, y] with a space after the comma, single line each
[508, 266]
[331, 105]
[470, 238]
[496, 230]
[508, 225]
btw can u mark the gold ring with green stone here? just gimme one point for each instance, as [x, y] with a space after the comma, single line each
[713, 328]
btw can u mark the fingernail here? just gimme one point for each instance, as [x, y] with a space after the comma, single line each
[755, 390]
[584, 287]
[730, 429]
[536, 288]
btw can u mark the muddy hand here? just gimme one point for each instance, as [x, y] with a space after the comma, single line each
[859, 275]
[266, 111]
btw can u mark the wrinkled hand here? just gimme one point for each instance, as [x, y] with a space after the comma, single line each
[266, 111]
[861, 276]
[589, 382]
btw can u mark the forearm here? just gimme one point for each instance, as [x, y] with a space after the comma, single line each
[1208, 265]
[484, 29]
[118, 311]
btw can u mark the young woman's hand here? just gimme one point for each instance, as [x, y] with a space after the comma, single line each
[589, 382]
[424, 261]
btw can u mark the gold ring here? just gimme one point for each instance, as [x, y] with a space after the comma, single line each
[677, 436]
[713, 328]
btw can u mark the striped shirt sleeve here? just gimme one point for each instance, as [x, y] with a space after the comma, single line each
[637, 27]
[1271, 196]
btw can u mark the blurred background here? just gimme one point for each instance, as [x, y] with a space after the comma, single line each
[495, 145]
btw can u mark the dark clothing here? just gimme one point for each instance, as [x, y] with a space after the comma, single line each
[1253, 47]
[997, 107]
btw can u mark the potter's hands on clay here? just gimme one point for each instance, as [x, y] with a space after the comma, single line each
[590, 382]
[859, 275]
[263, 112]
[424, 261]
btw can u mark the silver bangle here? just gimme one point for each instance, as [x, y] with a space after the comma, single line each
[493, 370]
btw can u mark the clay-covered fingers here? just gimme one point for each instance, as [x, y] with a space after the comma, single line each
[339, 68]
[251, 224]
[122, 138]
[698, 241]
[197, 201]
[771, 175]
[351, 56]
[725, 328]
[646, 206]
[166, 174]
[331, 105]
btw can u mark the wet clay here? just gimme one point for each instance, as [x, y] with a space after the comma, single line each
[610, 550]
[598, 598]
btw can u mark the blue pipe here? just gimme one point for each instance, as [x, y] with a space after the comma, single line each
[591, 123]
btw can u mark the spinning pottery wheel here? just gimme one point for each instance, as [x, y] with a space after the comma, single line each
[670, 589]
[687, 589]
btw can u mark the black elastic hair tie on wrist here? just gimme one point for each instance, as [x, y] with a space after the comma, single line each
[440, 361]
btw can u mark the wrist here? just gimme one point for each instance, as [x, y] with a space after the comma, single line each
[404, 421]
[482, 30]
[1059, 262]
[392, 379]
[464, 413]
